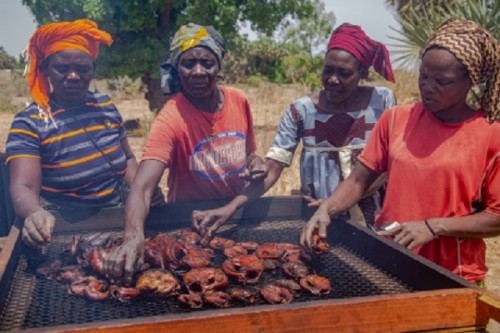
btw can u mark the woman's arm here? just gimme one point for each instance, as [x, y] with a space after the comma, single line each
[25, 183]
[255, 189]
[479, 225]
[346, 195]
[208, 221]
[146, 181]
[131, 162]
[125, 259]
[416, 233]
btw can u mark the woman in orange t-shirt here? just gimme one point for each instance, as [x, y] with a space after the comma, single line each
[203, 135]
[442, 157]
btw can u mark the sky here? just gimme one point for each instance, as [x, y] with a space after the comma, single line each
[17, 24]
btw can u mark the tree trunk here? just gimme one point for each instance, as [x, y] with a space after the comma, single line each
[153, 94]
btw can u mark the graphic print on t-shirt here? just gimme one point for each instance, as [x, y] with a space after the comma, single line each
[219, 156]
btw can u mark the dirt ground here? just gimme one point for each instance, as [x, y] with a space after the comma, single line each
[137, 109]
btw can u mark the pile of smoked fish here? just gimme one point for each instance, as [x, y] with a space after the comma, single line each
[181, 265]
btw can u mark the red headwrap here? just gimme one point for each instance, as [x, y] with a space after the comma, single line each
[352, 38]
[82, 35]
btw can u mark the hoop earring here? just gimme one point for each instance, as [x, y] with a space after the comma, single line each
[96, 90]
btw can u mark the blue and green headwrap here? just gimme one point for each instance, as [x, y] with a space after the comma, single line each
[187, 37]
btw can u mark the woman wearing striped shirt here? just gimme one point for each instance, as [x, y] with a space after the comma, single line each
[68, 148]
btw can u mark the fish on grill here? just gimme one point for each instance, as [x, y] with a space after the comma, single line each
[71, 273]
[244, 295]
[90, 287]
[123, 294]
[50, 269]
[316, 284]
[275, 294]
[205, 280]
[157, 282]
[291, 285]
[295, 269]
[319, 245]
[189, 236]
[220, 243]
[193, 300]
[217, 298]
[244, 269]
[235, 250]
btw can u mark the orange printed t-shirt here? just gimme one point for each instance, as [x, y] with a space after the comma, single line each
[437, 170]
[202, 167]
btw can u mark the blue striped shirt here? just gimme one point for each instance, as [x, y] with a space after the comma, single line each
[74, 171]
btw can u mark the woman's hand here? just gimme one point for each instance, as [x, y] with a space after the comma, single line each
[410, 234]
[256, 169]
[208, 221]
[312, 202]
[125, 259]
[317, 224]
[38, 227]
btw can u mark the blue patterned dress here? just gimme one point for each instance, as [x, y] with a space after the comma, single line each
[331, 143]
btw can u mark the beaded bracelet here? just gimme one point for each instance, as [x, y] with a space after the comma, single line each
[430, 229]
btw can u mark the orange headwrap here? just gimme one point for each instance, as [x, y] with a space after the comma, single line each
[82, 35]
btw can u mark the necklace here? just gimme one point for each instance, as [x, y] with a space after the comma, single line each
[212, 128]
[218, 108]
[214, 119]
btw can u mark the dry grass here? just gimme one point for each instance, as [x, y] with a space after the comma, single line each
[268, 102]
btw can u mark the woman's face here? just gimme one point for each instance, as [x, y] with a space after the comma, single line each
[198, 69]
[69, 73]
[443, 81]
[340, 75]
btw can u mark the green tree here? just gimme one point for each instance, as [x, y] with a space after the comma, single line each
[142, 28]
[419, 6]
[310, 33]
[288, 57]
[418, 22]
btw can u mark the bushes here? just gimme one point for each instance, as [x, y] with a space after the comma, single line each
[13, 91]
[268, 60]
[7, 61]
[123, 87]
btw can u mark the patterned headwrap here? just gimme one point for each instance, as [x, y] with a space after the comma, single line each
[82, 35]
[479, 52]
[187, 37]
[352, 38]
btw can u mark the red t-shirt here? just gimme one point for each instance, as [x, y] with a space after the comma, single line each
[202, 167]
[437, 170]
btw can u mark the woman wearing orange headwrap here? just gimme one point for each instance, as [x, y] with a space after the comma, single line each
[80, 35]
[68, 146]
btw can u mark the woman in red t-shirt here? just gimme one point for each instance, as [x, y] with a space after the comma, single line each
[442, 157]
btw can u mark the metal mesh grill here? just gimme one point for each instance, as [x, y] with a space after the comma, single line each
[36, 302]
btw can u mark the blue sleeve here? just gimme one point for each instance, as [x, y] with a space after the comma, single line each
[23, 139]
[287, 136]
